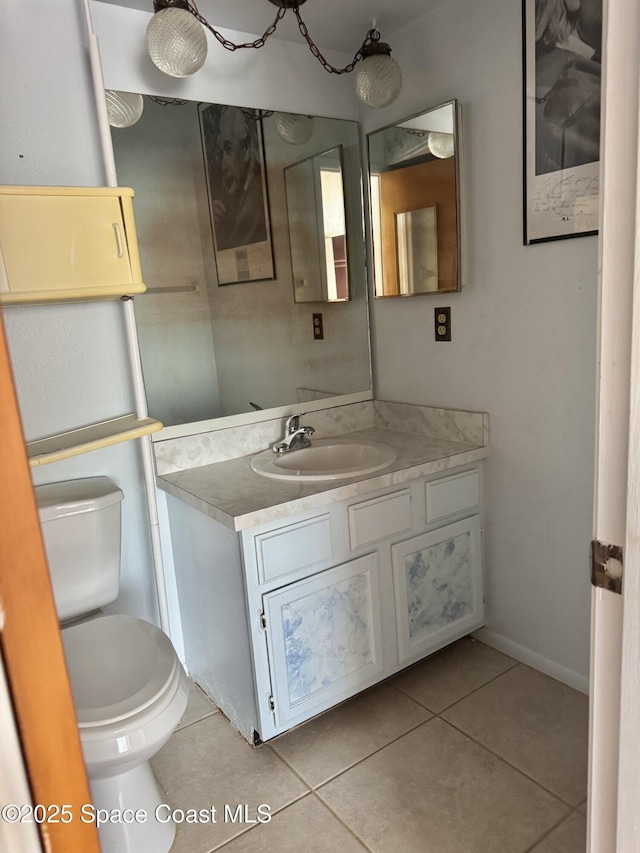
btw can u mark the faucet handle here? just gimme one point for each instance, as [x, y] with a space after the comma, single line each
[293, 423]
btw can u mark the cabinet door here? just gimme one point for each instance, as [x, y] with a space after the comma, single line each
[437, 580]
[61, 246]
[324, 639]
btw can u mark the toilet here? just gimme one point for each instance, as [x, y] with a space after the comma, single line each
[128, 685]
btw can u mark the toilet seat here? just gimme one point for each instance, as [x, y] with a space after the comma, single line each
[118, 666]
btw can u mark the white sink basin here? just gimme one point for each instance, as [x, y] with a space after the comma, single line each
[326, 459]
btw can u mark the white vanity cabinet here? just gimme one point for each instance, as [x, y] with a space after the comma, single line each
[287, 618]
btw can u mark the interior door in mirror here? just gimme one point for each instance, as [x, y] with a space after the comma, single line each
[317, 228]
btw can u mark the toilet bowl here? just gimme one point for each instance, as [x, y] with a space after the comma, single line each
[130, 692]
[128, 686]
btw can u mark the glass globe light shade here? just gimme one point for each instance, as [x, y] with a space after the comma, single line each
[176, 42]
[123, 108]
[293, 128]
[441, 144]
[378, 80]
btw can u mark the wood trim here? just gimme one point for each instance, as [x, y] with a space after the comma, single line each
[31, 642]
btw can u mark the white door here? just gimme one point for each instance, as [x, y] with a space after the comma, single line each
[614, 767]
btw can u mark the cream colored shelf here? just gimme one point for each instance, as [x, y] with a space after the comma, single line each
[93, 437]
[67, 244]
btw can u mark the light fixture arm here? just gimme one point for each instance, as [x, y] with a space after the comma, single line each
[178, 48]
[158, 5]
[372, 37]
[367, 47]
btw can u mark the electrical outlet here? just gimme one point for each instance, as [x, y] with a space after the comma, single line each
[318, 331]
[442, 318]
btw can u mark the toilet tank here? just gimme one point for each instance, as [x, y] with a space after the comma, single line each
[80, 522]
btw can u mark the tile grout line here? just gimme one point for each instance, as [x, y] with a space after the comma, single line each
[257, 825]
[438, 714]
[360, 760]
[341, 821]
[199, 720]
[508, 763]
[462, 698]
[547, 833]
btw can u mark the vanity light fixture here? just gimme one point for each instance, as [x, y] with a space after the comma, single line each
[177, 45]
[295, 129]
[441, 144]
[123, 108]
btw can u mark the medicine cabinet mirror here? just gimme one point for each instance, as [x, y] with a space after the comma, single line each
[414, 180]
[212, 350]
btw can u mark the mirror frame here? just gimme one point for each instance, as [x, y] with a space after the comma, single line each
[457, 132]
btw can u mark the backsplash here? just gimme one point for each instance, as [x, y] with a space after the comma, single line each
[452, 424]
[191, 451]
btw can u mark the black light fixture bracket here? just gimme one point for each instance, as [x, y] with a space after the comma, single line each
[375, 47]
[159, 5]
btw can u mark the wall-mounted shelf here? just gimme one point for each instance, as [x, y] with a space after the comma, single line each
[67, 244]
[92, 437]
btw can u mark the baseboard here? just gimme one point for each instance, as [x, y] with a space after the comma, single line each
[532, 659]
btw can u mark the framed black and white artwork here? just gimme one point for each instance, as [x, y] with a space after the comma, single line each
[562, 44]
[234, 165]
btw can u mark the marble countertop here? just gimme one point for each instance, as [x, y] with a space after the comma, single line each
[231, 493]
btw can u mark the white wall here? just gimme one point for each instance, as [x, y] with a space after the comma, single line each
[69, 361]
[523, 344]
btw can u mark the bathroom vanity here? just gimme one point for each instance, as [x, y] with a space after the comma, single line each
[296, 596]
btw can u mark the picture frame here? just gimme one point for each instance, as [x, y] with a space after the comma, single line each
[235, 170]
[561, 114]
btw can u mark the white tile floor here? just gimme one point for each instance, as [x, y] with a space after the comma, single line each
[466, 752]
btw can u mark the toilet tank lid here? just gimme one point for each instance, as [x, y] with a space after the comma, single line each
[56, 500]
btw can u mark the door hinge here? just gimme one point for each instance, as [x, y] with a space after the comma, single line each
[263, 620]
[606, 566]
[272, 704]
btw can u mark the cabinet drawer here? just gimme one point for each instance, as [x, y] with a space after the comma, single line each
[293, 548]
[376, 519]
[452, 494]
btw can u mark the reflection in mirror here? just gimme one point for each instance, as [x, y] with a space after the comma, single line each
[417, 250]
[317, 228]
[414, 178]
[209, 351]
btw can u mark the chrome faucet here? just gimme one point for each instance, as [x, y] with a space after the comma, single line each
[295, 436]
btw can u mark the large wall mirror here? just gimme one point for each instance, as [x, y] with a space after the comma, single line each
[226, 326]
[414, 179]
